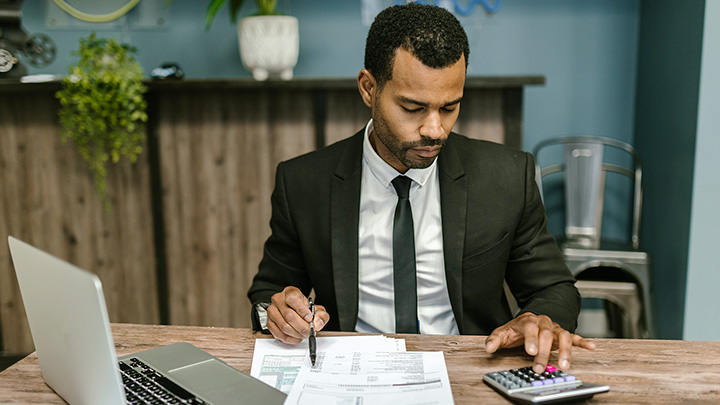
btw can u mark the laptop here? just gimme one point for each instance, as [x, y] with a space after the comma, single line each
[69, 323]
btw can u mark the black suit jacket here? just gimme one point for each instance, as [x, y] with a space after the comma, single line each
[493, 222]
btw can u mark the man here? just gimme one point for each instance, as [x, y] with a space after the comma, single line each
[477, 216]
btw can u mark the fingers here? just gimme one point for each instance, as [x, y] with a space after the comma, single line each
[297, 303]
[540, 335]
[565, 345]
[321, 317]
[289, 316]
[280, 323]
[539, 340]
[492, 344]
[580, 341]
[530, 332]
[495, 340]
[280, 335]
[506, 336]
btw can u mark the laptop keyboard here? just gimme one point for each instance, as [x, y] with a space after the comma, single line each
[144, 385]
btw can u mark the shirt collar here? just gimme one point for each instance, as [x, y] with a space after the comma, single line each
[386, 173]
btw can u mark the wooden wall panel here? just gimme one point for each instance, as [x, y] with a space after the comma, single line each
[218, 153]
[47, 198]
[346, 114]
[482, 115]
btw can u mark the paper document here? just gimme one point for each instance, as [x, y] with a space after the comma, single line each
[392, 378]
[277, 364]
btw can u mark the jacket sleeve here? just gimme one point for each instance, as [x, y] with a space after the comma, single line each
[536, 272]
[282, 264]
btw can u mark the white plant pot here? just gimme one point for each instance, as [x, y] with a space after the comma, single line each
[269, 45]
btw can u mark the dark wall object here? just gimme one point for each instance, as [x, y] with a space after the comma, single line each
[38, 49]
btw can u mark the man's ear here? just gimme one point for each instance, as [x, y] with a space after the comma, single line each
[367, 87]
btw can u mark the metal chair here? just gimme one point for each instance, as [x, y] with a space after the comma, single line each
[582, 164]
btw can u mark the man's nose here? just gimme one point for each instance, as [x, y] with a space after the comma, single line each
[432, 126]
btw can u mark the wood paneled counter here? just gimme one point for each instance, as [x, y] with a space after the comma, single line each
[183, 238]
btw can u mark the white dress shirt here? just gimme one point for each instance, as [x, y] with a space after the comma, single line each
[376, 310]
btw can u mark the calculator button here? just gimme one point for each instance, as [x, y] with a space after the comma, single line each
[569, 378]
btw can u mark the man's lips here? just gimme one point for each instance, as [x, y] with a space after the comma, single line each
[428, 152]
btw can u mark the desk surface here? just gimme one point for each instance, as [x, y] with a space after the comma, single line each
[637, 371]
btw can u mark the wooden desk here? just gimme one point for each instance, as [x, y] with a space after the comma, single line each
[637, 371]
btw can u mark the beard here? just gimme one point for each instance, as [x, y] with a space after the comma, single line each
[401, 150]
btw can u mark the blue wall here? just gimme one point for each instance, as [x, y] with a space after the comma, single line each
[666, 125]
[703, 268]
[586, 49]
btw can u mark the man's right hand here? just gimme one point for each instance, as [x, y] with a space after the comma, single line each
[289, 316]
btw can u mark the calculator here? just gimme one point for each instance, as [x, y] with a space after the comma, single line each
[523, 385]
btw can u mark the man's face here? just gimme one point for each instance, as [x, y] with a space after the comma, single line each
[415, 111]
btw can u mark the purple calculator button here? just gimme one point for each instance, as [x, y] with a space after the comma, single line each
[559, 379]
[569, 378]
[536, 383]
[548, 382]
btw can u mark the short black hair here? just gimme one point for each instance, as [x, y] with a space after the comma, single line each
[432, 34]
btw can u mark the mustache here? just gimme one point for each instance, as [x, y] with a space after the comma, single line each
[425, 142]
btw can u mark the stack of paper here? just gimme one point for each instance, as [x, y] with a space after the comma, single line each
[353, 370]
[277, 363]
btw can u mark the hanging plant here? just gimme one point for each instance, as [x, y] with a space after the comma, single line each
[102, 108]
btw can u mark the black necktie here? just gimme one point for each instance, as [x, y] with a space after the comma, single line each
[404, 260]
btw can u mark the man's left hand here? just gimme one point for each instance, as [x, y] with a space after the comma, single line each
[540, 335]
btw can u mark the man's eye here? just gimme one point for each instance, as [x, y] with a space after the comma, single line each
[412, 110]
[448, 109]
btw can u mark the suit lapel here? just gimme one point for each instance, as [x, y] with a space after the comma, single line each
[344, 222]
[453, 207]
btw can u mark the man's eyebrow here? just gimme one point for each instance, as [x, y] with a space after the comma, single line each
[424, 104]
[454, 102]
[407, 100]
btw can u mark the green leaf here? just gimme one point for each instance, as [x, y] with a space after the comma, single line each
[212, 10]
[267, 7]
[102, 107]
[235, 9]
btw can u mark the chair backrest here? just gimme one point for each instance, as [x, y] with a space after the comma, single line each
[585, 167]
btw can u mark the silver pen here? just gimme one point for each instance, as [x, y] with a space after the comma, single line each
[311, 339]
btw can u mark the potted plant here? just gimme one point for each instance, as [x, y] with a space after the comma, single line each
[269, 42]
[102, 108]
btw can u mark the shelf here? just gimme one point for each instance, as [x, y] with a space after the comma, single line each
[473, 82]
